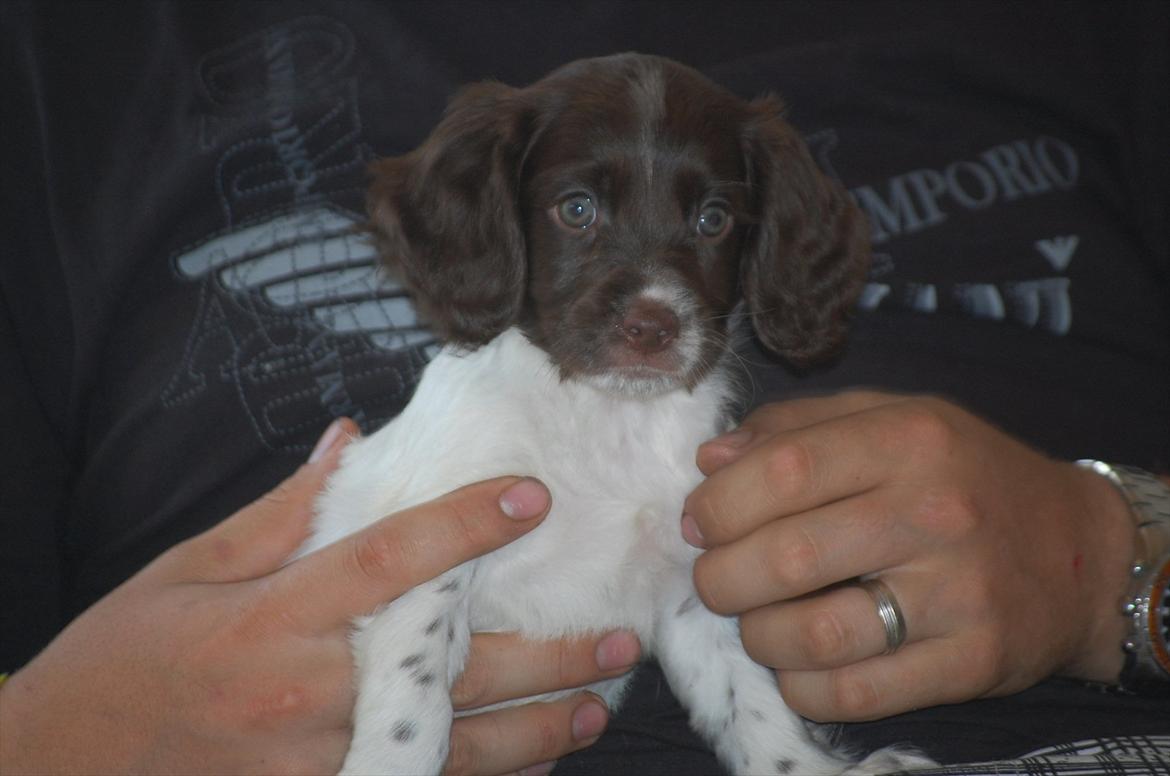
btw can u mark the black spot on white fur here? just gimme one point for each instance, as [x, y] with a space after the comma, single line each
[686, 606]
[404, 731]
[784, 765]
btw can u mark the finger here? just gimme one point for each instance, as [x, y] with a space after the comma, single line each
[796, 471]
[926, 673]
[778, 417]
[510, 739]
[358, 573]
[507, 666]
[259, 538]
[829, 630]
[804, 553]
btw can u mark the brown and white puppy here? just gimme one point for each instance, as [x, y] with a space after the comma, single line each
[555, 207]
[582, 244]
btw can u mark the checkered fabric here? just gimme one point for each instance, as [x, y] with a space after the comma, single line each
[1126, 756]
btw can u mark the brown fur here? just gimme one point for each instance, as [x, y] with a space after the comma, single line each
[464, 219]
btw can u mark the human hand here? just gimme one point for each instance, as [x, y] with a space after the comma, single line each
[529, 738]
[218, 658]
[1008, 565]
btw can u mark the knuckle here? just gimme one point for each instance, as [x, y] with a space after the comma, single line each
[789, 469]
[948, 511]
[269, 709]
[374, 556]
[926, 426]
[463, 754]
[548, 739]
[461, 515]
[823, 639]
[853, 695]
[793, 565]
[457, 513]
[567, 665]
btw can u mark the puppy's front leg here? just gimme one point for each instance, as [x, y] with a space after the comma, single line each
[733, 701]
[406, 658]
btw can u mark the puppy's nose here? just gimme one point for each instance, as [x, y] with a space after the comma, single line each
[649, 326]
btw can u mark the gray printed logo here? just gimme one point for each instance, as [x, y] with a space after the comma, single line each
[924, 198]
[294, 313]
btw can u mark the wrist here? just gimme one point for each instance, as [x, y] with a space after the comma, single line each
[1104, 575]
[1145, 603]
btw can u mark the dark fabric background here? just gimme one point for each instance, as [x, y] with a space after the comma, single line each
[118, 119]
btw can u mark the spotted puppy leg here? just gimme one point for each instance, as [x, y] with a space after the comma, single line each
[733, 701]
[406, 658]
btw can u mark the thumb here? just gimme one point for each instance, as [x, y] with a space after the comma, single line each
[259, 538]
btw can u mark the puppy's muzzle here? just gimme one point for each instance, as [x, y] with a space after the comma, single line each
[649, 326]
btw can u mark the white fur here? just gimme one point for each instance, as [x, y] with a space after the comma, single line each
[609, 555]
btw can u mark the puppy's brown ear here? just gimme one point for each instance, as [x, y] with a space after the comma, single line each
[807, 257]
[446, 221]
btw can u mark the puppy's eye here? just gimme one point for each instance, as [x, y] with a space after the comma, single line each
[577, 211]
[714, 221]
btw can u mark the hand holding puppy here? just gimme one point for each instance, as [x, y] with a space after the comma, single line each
[217, 658]
[1007, 565]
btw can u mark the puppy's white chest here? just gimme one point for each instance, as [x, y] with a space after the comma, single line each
[618, 469]
[595, 563]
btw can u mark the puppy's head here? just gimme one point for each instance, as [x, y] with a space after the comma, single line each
[617, 211]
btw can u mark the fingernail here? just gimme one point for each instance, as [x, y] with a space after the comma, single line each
[331, 435]
[619, 649]
[540, 769]
[589, 720]
[524, 500]
[734, 439]
[691, 533]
